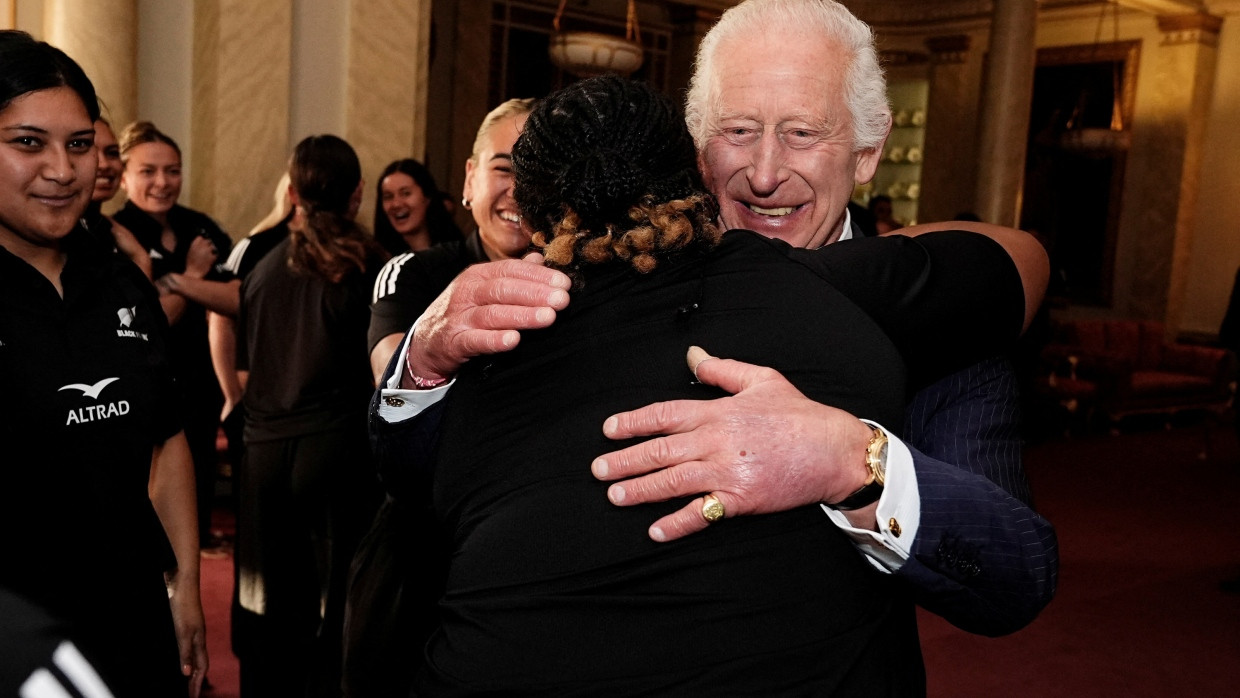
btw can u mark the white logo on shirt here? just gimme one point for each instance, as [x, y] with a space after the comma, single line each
[126, 316]
[92, 413]
[90, 391]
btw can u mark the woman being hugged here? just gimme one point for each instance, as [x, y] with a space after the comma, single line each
[184, 246]
[91, 413]
[552, 589]
[307, 488]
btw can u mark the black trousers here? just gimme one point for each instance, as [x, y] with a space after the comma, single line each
[303, 504]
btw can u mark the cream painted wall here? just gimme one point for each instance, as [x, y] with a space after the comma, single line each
[1216, 245]
[165, 90]
[1148, 184]
[320, 67]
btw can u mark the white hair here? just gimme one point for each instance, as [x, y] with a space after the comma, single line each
[822, 21]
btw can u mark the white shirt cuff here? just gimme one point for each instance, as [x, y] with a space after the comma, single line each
[898, 514]
[397, 404]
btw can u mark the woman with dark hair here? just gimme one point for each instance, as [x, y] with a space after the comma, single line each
[90, 418]
[185, 246]
[409, 211]
[107, 184]
[553, 590]
[307, 490]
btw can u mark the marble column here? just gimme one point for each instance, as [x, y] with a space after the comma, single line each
[101, 35]
[1005, 113]
[240, 122]
[388, 75]
[949, 170]
[1165, 167]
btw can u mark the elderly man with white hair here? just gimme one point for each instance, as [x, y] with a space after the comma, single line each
[788, 110]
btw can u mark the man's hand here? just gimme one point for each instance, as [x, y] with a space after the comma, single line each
[764, 449]
[481, 311]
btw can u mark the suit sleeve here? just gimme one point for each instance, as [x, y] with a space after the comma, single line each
[403, 450]
[983, 558]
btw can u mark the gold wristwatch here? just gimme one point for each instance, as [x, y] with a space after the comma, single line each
[876, 462]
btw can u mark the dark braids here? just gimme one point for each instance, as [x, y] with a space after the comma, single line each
[605, 169]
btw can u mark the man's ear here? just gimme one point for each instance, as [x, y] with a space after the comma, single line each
[868, 159]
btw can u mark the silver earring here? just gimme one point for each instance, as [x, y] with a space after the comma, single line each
[465, 203]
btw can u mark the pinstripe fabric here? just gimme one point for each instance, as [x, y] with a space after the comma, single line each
[983, 559]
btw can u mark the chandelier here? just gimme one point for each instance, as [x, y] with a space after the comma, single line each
[586, 54]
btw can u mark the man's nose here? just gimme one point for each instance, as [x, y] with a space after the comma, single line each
[767, 171]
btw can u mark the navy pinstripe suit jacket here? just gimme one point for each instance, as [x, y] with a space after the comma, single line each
[983, 558]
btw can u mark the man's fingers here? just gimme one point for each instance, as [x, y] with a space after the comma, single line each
[728, 374]
[521, 269]
[520, 292]
[470, 343]
[684, 521]
[644, 457]
[660, 485]
[674, 416]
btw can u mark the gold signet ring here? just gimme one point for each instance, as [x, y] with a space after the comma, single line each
[712, 508]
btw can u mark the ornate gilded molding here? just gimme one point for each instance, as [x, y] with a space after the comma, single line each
[890, 58]
[1199, 28]
[949, 49]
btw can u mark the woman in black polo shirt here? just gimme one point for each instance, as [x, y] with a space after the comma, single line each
[307, 489]
[88, 419]
[185, 246]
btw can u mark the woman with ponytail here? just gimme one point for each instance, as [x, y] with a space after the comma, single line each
[306, 486]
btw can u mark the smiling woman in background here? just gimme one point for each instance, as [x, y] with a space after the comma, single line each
[90, 419]
[107, 183]
[409, 211]
[184, 246]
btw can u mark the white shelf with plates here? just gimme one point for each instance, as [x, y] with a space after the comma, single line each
[899, 172]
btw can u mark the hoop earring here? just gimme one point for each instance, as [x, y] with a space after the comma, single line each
[465, 203]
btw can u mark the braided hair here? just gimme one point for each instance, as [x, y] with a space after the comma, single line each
[605, 169]
[327, 242]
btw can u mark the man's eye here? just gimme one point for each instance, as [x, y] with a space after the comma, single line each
[26, 141]
[81, 144]
[800, 137]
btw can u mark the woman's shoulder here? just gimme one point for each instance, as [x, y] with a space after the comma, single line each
[185, 219]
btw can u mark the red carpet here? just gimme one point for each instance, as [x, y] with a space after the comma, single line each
[217, 586]
[1146, 532]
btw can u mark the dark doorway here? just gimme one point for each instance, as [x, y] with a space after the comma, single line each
[1071, 196]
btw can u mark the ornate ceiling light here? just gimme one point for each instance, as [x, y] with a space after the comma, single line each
[586, 54]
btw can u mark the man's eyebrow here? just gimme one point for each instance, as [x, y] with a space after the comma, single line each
[500, 156]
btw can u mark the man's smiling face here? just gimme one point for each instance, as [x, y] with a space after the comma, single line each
[779, 155]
